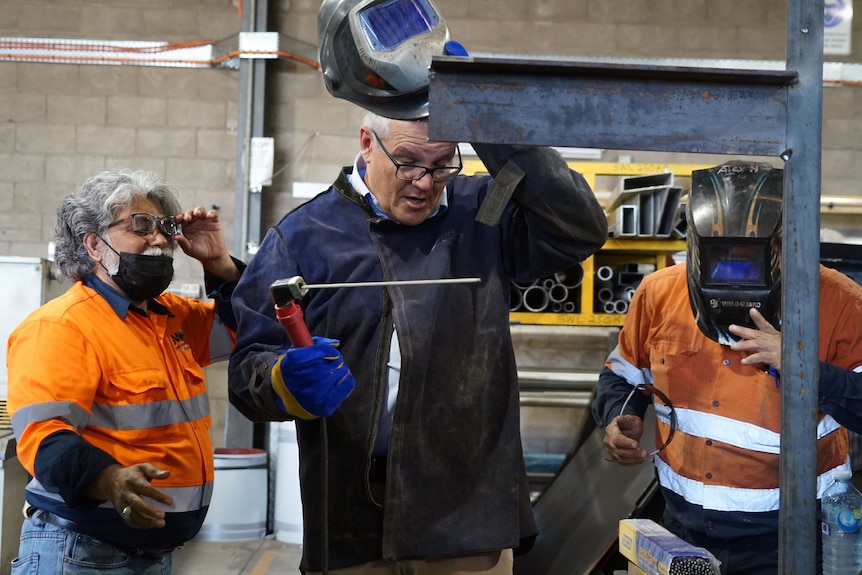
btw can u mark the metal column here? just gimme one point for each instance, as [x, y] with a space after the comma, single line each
[800, 377]
[239, 431]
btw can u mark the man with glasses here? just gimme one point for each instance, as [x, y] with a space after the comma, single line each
[106, 382]
[410, 460]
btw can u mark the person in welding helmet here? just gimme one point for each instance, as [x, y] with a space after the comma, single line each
[406, 407]
[702, 342]
[106, 384]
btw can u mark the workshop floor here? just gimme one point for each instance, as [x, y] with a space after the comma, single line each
[255, 557]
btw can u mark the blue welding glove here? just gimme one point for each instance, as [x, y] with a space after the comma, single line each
[312, 381]
[454, 48]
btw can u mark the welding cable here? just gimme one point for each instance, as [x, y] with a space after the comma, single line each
[648, 387]
[324, 495]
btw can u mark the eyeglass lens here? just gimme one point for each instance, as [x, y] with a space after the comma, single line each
[147, 223]
[412, 172]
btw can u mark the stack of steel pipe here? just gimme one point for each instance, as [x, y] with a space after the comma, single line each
[615, 286]
[557, 293]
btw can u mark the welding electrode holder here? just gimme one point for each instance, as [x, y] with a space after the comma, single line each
[287, 311]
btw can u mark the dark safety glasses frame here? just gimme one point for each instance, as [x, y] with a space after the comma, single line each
[413, 172]
[145, 224]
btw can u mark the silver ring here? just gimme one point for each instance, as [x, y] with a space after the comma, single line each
[127, 511]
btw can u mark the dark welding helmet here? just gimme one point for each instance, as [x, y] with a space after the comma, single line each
[376, 53]
[734, 246]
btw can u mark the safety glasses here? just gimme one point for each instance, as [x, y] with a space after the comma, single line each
[145, 224]
[412, 172]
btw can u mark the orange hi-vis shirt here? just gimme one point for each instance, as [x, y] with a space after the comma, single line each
[131, 386]
[724, 454]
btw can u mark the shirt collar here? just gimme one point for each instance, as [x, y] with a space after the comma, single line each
[359, 167]
[118, 303]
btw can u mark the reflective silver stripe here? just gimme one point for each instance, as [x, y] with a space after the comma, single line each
[721, 498]
[220, 341]
[147, 415]
[733, 432]
[626, 370]
[68, 411]
[185, 498]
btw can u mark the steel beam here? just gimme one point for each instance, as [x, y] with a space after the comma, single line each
[611, 106]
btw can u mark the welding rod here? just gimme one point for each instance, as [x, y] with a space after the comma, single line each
[394, 283]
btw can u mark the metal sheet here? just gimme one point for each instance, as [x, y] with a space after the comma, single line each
[578, 514]
[557, 103]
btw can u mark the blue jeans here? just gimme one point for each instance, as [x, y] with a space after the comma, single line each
[47, 549]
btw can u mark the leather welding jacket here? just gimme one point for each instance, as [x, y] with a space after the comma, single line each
[456, 480]
[94, 382]
[719, 473]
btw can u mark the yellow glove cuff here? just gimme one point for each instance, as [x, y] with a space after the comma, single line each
[290, 404]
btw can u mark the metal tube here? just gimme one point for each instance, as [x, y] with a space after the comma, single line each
[516, 298]
[605, 273]
[558, 293]
[524, 285]
[554, 399]
[605, 295]
[572, 277]
[536, 299]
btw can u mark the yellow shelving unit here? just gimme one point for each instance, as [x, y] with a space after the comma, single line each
[644, 250]
[649, 250]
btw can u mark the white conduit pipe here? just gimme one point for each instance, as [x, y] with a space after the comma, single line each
[569, 307]
[621, 306]
[609, 307]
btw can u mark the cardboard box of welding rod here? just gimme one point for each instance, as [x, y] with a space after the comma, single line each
[657, 551]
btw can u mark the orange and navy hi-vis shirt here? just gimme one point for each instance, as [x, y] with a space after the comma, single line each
[723, 459]
[94, 381]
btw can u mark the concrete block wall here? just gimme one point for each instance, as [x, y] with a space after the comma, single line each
[60, 122]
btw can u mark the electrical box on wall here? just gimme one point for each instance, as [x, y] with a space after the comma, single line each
[27, 284]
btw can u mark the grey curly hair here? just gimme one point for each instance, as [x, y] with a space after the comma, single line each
[95, 205]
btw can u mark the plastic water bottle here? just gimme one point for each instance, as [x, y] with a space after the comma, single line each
[841, 521]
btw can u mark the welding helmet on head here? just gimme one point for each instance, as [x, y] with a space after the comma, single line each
[376, 53]
[734, 238]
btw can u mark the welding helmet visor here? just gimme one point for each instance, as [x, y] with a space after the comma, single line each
[734, 214]
[377, 53]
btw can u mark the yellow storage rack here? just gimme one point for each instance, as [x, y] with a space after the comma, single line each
[646, 250]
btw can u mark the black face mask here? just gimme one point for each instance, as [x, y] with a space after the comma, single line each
[143, 277]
